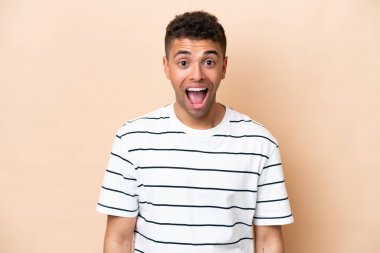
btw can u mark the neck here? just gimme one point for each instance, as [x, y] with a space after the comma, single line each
[210, 120]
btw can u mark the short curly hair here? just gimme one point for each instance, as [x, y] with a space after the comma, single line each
[197, 25]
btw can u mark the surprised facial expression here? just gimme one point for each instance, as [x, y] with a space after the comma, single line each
[195, 69]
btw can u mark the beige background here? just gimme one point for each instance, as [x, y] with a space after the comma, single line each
[72, 72]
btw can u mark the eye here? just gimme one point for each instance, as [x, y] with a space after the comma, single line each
[183, 63]
[209, 62]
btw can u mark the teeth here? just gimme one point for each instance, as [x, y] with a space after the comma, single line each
[196, 89]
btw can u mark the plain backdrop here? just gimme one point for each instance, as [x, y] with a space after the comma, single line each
[72, 72]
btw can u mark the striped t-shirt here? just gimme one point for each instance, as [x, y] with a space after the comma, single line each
[195, 190]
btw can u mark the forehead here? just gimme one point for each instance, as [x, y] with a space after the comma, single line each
[194, 46]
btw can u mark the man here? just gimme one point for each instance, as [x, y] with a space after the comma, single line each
[194, 176]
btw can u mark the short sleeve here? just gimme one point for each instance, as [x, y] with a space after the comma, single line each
[119, 194]
[272, 205]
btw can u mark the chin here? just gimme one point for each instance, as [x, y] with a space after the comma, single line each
[197, 114]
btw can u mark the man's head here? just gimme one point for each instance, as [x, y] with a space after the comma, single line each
[197, 25]
[195, 63]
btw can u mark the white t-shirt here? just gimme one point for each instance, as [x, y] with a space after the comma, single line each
[195, 190]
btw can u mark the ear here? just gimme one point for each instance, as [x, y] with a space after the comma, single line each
[225, 61]
[165, 63]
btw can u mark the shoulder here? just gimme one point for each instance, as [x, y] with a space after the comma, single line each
[149, 121]
[244, 125]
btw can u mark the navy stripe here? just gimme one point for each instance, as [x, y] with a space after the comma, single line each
[148, 132]
[197, 169]
[195, 187]
[272, 165]
[197, 151]
[110, 189]
[243, 120]
[196, 206]
[280, 217]
[122, 158]
[139, 250]
[154, 118]
[245, 136]
[120, 209]
[272, 200]
[193, 244]
[194, 225]
[278, 182]
[119, 174]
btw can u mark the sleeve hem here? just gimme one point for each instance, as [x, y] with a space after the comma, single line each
[270, 222]
[109, 211]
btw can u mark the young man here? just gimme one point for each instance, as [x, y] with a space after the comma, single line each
[194, 176]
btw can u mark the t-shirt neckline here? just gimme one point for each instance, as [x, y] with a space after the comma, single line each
[218, 129]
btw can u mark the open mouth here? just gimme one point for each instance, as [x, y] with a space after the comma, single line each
[196, 95]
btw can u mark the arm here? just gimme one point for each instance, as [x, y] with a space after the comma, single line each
[119, 234]
[268, 239]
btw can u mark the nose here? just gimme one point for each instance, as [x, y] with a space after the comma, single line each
[196, 73]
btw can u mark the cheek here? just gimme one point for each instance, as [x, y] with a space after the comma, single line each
[177, 77]
[215, 78]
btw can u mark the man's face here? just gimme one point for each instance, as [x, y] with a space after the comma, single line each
[195, 69]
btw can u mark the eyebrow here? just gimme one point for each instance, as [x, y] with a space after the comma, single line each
[188, 53]
[181, 52]
[211, 52]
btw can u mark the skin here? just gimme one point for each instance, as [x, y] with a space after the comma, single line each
[268, 239]
[119, 234]
[192, 64]
[196, 64]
